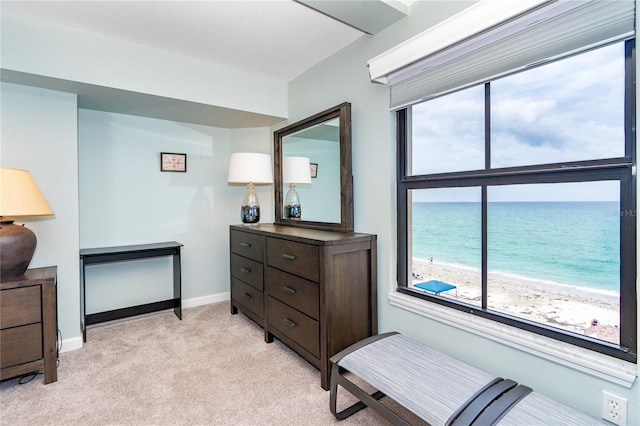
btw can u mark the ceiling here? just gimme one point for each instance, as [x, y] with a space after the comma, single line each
[275, 38]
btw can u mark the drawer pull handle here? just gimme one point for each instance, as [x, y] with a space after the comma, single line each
[247, 295]
[289, 322]
[245, 270]
[243, 244]
[289, 290]
[289, 256]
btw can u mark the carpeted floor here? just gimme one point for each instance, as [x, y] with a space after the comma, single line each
[211, 368]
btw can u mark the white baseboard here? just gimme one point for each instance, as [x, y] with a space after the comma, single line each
[206, 300]
[74, 343]
[71, 344]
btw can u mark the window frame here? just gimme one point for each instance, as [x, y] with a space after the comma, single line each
[621, 169]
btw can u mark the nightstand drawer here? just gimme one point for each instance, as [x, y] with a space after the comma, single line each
[297, 326]
[247, 245]
[247, 270]
[20, 344]
[247, 296]
[20, 306]
[296, 292]
[298, 258]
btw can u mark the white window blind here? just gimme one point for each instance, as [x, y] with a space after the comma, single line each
[549, 30]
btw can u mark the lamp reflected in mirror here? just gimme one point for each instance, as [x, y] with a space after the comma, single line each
[296, 170]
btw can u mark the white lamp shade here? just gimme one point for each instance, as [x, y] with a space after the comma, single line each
[296, 170]
[20, 196]
[250, 167]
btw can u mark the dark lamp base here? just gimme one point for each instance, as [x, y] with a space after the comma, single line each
[17, 245]
[292, 211]
[250, 214]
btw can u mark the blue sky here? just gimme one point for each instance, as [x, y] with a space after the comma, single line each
[565, 111]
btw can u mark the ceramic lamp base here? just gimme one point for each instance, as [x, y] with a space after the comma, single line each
[17, 245]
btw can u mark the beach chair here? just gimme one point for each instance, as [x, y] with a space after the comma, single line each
[415, 275]
[439, 389]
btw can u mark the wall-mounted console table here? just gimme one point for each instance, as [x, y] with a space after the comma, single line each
[92, 256]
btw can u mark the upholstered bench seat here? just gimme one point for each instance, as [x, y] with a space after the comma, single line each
[439, 389]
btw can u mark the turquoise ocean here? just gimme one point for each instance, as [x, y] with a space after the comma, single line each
[568, 243]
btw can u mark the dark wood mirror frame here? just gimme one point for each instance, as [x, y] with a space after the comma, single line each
[346, 179]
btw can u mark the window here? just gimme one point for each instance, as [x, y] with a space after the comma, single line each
[516, 200]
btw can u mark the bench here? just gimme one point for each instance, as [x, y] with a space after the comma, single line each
[439, 389]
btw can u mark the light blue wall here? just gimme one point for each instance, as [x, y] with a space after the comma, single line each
[101, 174]
[326, 154]
[344, 77]
[126, 199]
[256, 139]
[39, 134]
[43, 48]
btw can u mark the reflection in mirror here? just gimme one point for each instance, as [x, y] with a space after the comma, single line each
[324, 195]
[295, 170]
[320, 199]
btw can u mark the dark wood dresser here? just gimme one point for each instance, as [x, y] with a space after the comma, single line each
[28, 322]
[313, 290]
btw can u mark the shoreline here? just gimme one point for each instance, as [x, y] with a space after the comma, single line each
[541, 282]
[562, 306]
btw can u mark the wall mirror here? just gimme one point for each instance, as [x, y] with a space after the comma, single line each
[327, 201]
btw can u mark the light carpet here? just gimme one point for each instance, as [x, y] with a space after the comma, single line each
[211, 368]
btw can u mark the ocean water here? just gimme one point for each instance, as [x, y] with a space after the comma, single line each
[570, 243]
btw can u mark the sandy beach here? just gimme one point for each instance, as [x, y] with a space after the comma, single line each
[559, 306]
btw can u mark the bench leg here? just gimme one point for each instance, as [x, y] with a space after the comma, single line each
[365, 399]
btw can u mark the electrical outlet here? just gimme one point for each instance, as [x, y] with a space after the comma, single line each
[614, 408]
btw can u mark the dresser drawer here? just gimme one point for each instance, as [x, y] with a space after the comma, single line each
[294, 291]
[297, 326]
[20, 306]
[247, 270]
[247, 296]
[298, 258]
[20, 344]
[247, 245]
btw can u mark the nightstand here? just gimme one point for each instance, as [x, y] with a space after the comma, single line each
[29, 324]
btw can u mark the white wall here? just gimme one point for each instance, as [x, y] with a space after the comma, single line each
[39, 134]
[126, 199]
[344, 77]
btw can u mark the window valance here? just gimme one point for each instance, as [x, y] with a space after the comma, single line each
[496, 37]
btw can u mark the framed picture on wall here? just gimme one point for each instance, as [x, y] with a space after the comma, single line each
[172, 162]
[314, 170]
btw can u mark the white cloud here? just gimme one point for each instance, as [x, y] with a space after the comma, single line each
[566, 111]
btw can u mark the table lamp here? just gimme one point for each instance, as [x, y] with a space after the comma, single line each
[250, 168]
[19, 196]
[294, 170]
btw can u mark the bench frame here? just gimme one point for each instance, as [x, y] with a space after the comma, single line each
[486, 406]
[370, 400]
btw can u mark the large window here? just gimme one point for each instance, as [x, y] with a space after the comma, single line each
[516, 200]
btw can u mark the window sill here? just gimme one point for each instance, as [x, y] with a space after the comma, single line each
[604, 367]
